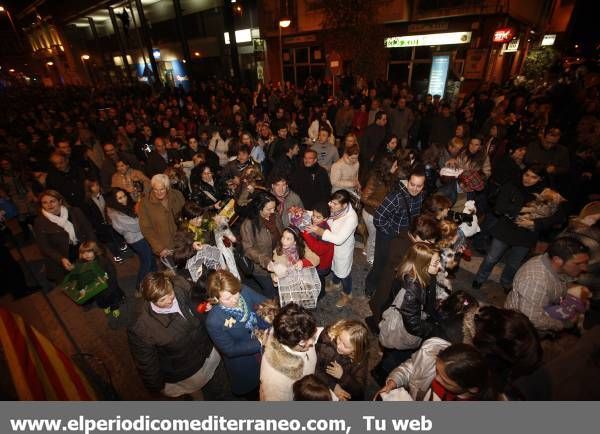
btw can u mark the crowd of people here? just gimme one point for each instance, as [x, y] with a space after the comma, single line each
[258, 185]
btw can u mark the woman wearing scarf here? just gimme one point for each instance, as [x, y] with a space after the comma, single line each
[59, 229]
[286, 198]
[343, 222]
[291, 253]
[231, 325]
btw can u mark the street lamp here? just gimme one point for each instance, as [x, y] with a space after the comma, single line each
[85, 57]
[3, 10]
[283, 23]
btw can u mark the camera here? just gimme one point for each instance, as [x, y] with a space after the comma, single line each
[460, 217]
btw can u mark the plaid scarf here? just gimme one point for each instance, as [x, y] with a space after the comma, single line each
[291, 253]
[242, 313]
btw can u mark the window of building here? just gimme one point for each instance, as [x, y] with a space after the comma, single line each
[302, 62]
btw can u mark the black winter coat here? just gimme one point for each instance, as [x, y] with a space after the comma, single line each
[168, 348]
[416, 300]
[53, 240]
[311, 184]
[508, 205]
[354, 378]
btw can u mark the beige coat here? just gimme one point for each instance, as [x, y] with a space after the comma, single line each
[159, 223]
[309, 255]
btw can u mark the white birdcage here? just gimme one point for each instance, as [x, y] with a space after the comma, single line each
[301, 287]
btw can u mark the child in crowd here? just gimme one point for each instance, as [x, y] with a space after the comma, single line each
[324, 249]
[111, 298]
[310, 388]
[291, 253]
[342, 353]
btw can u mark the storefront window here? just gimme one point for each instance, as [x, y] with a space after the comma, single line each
[301, 55]
[401, 53]
[302, 62]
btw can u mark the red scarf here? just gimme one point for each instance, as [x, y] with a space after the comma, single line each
[444, 394]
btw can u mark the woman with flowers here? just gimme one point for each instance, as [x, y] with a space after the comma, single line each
[232, 324]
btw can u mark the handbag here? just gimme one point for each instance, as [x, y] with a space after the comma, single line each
[392, 333]
[244, 264]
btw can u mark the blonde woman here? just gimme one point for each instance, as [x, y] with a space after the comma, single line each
[416, 275]
[342, 354]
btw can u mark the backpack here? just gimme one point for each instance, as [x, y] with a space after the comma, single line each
[392, 333]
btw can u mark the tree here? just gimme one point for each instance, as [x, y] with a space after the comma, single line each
[351, 29]
[539, 62]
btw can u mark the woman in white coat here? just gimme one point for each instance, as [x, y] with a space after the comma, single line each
[342, 223]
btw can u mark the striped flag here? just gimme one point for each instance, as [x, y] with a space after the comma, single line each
[39, 370]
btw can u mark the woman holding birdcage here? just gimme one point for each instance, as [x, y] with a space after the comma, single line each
[291, 254]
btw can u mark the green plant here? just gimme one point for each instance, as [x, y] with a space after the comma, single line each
[538, 63]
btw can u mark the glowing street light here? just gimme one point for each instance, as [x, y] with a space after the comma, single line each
[284, 22]
[85, 57]
[50, 63]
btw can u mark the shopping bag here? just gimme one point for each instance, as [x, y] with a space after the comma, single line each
[84, 282]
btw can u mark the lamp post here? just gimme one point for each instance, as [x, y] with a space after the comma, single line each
[88, 72]
[283, 23]
[12, 24]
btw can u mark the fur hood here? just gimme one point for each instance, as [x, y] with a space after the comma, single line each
[282, 360]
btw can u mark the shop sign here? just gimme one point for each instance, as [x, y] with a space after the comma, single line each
[429, 39]
[475, 63]
[503, 35]
[433, 27]
[181, 77]
[512, 46]
[438, 74]
[302, 39]
[549, 39]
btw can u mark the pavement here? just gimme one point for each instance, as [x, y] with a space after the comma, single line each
[75, 329]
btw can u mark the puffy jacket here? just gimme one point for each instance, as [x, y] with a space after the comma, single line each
[417, 373]
[417, 300]
[168, 348]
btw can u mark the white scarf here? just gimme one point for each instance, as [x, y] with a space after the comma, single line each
[62, 220]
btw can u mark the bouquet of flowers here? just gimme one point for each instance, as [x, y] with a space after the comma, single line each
[299, 217]
[202, 228]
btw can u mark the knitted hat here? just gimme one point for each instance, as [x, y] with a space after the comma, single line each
[590, 209]
[471, 180]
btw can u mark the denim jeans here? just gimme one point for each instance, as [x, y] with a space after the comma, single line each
[346, 282]
[514, 257]
[147, 263]
[266, 285]
[382, 245]
[370, 244]
[322, 272]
